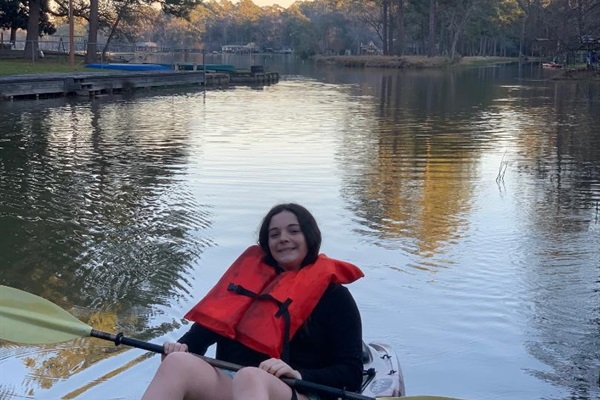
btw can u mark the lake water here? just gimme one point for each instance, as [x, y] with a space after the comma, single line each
[470, 199]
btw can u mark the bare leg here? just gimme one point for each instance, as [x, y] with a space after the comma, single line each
[184, 376]
[257, 384]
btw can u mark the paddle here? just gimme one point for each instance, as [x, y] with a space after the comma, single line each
[30, 319]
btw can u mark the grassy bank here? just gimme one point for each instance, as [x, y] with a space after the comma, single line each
[20, 66]
[413, 62]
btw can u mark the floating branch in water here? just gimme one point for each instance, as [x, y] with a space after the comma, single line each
[502, 169]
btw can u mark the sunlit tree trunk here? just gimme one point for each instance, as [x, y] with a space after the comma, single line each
[399, 50]
[13, 35]
[92, 44]
[384, 16]
[459, 26]
[431, 44]
[525, 7]
[33, 28]
[391, 29]
[522, 39]
[113, 29]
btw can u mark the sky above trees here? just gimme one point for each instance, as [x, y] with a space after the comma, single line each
[282, 3]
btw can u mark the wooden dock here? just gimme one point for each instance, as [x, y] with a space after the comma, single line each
[254, 78]
[256, 75]
[93, 84]
[96, 83]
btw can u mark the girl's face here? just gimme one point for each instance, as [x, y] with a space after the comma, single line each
[286, 241]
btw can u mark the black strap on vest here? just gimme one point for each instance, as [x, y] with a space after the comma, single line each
[283, 311]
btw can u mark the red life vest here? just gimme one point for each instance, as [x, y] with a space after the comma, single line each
[250, 301]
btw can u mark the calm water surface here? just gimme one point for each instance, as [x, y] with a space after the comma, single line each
[469, 198]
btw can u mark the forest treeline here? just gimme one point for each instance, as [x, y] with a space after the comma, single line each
[451, 28]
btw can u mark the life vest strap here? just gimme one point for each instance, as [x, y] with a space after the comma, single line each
[283, 311]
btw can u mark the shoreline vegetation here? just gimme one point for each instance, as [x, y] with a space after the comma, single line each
[19, 66]
[412, 62]
[578, 72]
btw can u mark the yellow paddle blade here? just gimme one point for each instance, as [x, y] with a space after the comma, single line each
[30, 319]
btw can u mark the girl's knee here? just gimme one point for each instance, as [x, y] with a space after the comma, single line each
[248, 375]
[179, 357]
[183, 375]
[260, 383]
[179, 364]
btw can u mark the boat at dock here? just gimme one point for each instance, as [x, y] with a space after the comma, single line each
[551, 65]
[130, 66]
[164, 67]
[208, 67]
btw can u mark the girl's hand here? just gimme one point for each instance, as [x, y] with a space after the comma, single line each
[276, 367]
[173, 347]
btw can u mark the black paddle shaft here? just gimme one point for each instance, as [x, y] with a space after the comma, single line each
[326, 390]
[119, 338]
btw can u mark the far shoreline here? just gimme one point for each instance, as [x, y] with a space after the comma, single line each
[438, 62]
[412, 62]
[18, 66]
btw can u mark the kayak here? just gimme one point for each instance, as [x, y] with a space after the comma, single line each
[552, 65]
[129, 67]
[29, 319]
[382, 376]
